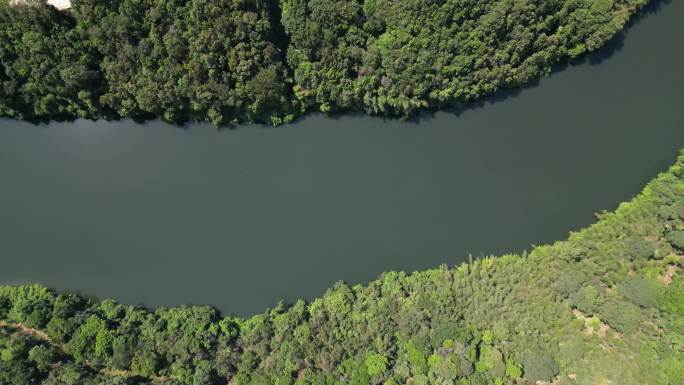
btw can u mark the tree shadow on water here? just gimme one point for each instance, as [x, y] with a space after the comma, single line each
[606, 52]
[617, 42]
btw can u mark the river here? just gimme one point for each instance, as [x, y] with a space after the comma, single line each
[239, 219]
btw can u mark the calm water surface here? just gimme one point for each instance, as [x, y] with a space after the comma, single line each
[243, 218]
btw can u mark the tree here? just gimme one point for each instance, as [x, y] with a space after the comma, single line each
[121, 353]
[145, 362]
[33, 314]
[539, 366]
[204, 374]
[43, 356]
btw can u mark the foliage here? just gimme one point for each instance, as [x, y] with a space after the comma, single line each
[396, 57]
[622, 316]
[588, 300]
[46, 67]
[178, 60]
[231, 61]
[676, 238]
[642, 291]
[539, 366]
[639, 248]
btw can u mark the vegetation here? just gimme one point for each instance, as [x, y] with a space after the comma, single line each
[604, 307]
[396, 57]
[231, 61]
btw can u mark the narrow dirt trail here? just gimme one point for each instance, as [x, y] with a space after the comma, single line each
[42, 336]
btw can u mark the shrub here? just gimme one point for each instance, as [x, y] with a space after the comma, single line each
[642, 291]
[145, 363]
[376, 364]
[416, 358]
[674, 370]
[445, 367]
[676, 239]
[34, 314]
[622, 316]
[638, 248]
[588, 300]
[67, 304]
[539, 366]
[491, 361]
[5, 306]
[61, 330]
[43, 356]
[513, 371]
[673, 300]
[14, 350]
[204, 374]
[568, 283]
[680, 210]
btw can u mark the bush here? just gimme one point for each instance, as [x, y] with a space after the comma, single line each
[204, 374]
[622, 316]
[145, 363]
[588, 300]
[34, 314]
[513, 371]
[60, 330]
[43, 356]
[638, 248]
[5, 306]
[673, 300]
[121, 353]
[444, 367]
[66, 305]
[676, 239]
[539, 366]
[680, 210]
[569, 283]
[416, 358]
[491, 361]
[674, 370]
[642, 291]
[14, 350]
[376, 364]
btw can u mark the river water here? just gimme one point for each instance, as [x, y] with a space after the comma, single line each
[239, 219]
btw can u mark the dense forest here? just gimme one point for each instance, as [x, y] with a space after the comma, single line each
[269, 61]
[604, 307]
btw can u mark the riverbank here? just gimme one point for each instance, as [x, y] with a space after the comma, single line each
[290, 62]
[593, 309]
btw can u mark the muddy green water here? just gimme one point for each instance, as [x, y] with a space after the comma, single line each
[242, 218]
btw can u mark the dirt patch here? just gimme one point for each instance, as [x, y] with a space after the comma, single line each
[667, 276]
[27, 331]
[599, 329]
[554, 382]
[42, 336]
